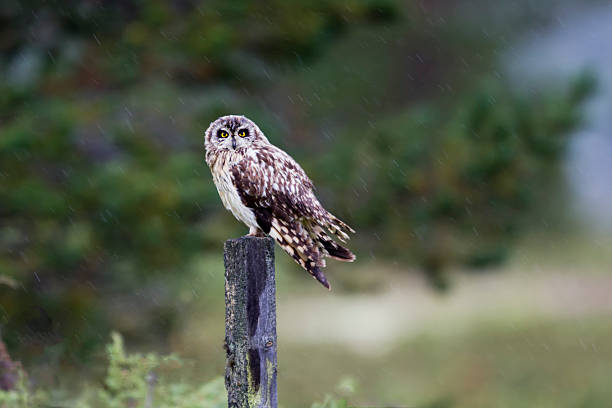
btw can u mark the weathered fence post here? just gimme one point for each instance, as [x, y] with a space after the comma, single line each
[250, 323]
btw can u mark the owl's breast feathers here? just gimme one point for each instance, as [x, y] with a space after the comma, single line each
[279, 194]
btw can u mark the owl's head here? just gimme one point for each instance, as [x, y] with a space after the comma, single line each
[232, 132]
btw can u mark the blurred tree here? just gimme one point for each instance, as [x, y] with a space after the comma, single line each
[445, 189]
[103, 191]
[100, 192]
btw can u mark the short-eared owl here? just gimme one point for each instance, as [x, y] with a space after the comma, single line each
[269, 192]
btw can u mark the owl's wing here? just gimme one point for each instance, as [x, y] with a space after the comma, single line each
[280, 195]
[271, 183]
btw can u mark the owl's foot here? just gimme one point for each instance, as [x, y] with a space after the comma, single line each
[255, 232]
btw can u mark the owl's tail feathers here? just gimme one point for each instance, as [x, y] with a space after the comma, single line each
[318, 274]
[304, 252]
[338, 227]
[332, 248]
[338, 251]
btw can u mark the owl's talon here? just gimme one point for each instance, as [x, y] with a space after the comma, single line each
[255, 232]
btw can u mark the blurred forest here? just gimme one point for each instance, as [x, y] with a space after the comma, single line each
[397, 111]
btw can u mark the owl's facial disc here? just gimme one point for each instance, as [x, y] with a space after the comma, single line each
[225, 138]
[233, 132]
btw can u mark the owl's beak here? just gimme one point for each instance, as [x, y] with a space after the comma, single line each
[233, 143]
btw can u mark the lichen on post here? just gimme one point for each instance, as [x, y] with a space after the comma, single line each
[250, 322]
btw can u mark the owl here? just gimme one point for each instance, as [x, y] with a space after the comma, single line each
[268, 191]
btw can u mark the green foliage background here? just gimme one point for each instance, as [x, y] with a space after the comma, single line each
[396, 111]
[137, 380]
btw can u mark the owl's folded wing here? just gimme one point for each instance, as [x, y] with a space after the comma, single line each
[279, 193]
[273, 185]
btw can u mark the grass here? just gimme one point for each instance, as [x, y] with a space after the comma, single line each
[538, 334]
[553, 363]
[563, 363]
[534, 335]
[569, 251]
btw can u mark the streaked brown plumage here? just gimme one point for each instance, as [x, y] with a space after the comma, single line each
[269, 192]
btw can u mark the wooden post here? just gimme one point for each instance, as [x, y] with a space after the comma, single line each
[250, 323]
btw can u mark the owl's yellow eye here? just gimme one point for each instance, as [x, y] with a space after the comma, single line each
[223, 134]
[243, 133]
